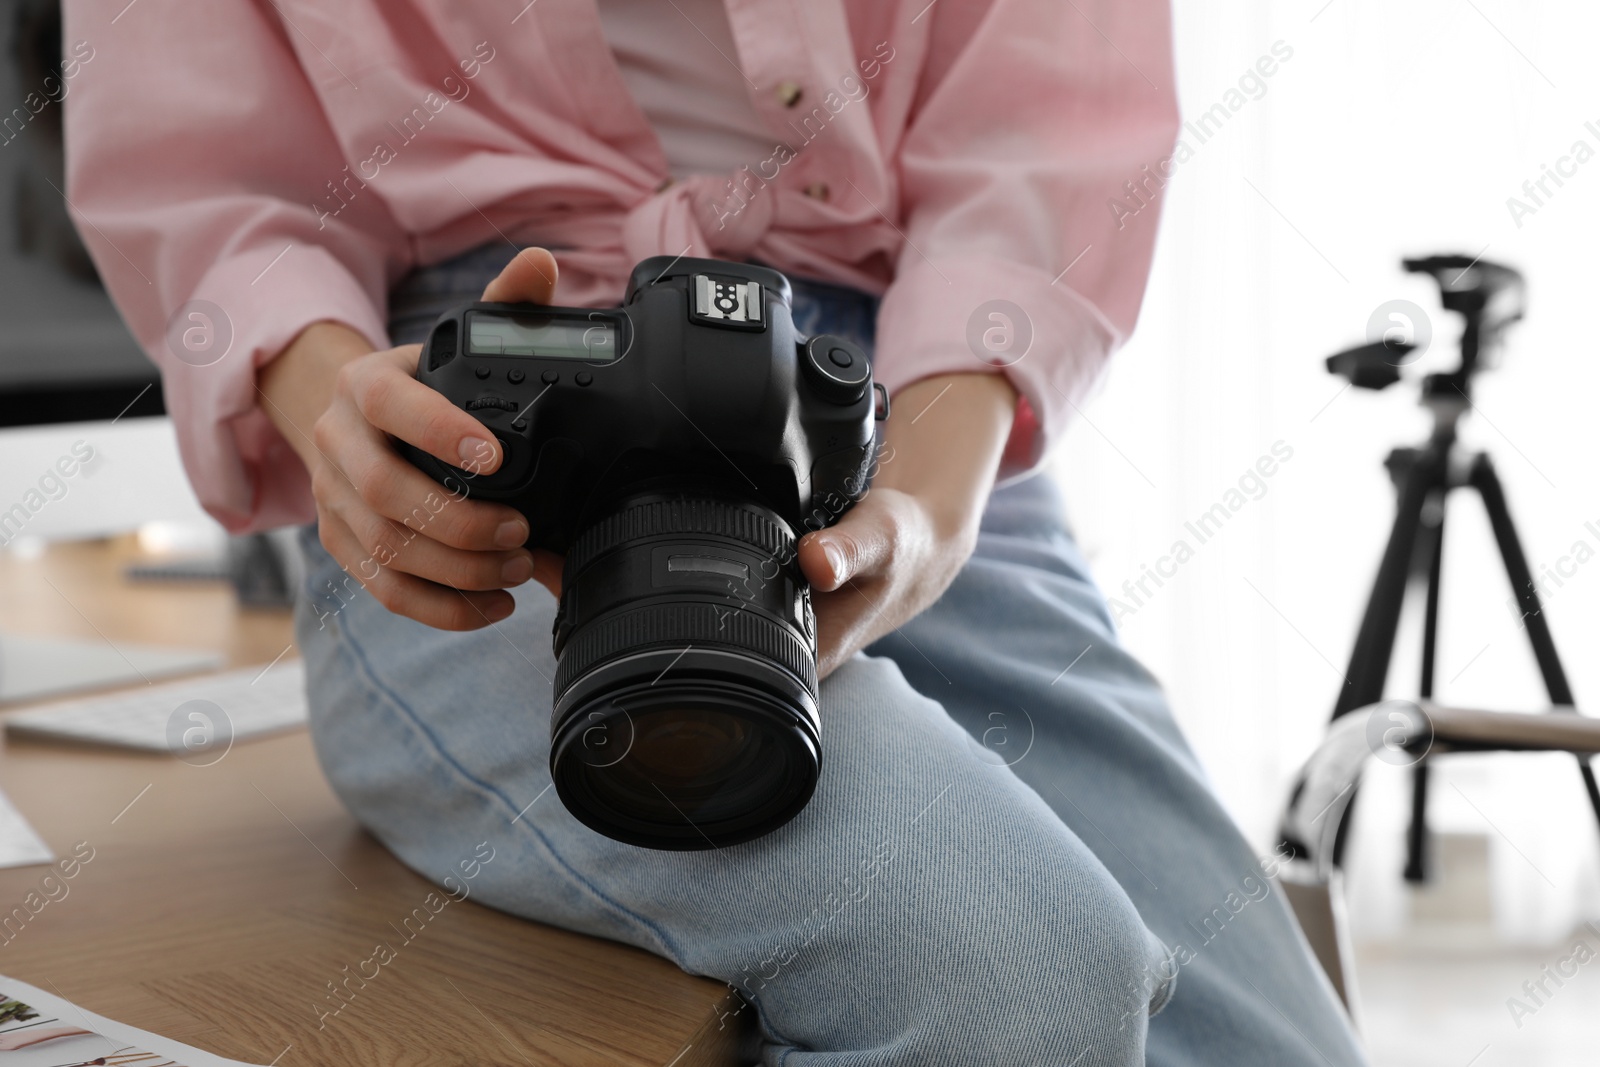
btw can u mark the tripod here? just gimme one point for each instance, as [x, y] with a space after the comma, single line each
[1489, 297]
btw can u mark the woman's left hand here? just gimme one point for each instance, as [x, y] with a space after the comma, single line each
[895, 552]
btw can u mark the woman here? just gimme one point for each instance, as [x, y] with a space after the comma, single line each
[1012, 853]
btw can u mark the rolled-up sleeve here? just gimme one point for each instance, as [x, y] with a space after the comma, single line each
[1041, 117]
[197, 152]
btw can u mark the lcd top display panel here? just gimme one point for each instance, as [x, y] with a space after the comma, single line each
[493, 333]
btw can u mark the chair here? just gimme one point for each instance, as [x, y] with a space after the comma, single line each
[1314, 818]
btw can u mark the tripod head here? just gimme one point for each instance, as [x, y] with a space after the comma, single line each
[1488, 296]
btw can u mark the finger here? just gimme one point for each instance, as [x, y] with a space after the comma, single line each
[547, 570]
[390, 398]
[530, 278]
[426, 558]
[848, 620]
[404, 548]
[368, 467]
[428, 603]
[861, 543]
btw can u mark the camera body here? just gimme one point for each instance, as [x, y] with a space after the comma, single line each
[698, 381]
[674, 449]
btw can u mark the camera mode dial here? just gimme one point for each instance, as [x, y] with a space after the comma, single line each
[836, 368]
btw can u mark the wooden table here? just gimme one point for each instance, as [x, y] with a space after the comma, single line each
[223, 903]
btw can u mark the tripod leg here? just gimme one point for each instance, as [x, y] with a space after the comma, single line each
[1418, 475]
[1416, 870]
[1487, 483]
[1431, 547]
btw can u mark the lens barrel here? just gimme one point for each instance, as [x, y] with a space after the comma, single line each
[685, 696]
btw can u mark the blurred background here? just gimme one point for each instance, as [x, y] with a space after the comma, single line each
[69, 370]
[1392, 130]
[1383, 130]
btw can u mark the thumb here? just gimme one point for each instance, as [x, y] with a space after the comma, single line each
[530, 278]
[860, 544]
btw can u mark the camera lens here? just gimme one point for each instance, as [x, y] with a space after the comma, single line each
[685, 713]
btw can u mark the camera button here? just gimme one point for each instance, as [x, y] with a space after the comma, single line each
[482, 372]
[583, 377]
[515, 376]
[549, 377]
[836, 369]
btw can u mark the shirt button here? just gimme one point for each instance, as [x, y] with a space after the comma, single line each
[818, 191]
[789, 93]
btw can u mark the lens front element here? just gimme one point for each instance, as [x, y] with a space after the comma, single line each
[685, 710]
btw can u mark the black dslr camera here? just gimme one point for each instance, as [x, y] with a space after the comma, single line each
[674, 449]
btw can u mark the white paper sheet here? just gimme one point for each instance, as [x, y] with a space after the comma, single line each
[20, 845]
[38, 1029]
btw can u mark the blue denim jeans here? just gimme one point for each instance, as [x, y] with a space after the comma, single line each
[1012, 856]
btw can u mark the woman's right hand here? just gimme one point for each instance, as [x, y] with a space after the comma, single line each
[420, 550]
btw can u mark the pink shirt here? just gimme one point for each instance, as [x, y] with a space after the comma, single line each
[287, 160]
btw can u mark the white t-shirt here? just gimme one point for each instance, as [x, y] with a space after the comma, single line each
[680, 63]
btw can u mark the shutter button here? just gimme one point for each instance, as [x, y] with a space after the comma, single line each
[840, 358]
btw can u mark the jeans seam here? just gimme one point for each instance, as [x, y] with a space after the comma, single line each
[353, 646]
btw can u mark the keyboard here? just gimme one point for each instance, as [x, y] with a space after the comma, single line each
[195, 719]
